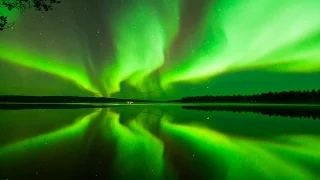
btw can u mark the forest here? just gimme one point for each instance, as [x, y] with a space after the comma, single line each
[286, 97]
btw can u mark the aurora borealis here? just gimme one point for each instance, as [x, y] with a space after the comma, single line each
[162, 48]
[156, 142]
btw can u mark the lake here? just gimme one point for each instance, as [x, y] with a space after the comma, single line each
[166, 142]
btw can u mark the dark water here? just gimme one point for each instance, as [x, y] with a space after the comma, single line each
[158, 142]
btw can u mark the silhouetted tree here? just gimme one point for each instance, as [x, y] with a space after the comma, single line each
[22, 6]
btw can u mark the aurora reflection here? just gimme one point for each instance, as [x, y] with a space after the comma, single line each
[156, 142]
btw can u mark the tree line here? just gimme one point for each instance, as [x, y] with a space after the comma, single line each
[295, 97]
[284, 111]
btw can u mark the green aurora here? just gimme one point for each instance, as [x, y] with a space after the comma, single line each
[170, 48]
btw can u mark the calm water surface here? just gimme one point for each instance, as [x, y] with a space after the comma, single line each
[156, 142]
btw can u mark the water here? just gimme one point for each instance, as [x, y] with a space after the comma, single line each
[156, 142]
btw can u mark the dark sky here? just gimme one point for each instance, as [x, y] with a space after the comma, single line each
[162, 48]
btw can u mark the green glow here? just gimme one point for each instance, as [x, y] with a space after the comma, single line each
[137, 144]
[12, 15]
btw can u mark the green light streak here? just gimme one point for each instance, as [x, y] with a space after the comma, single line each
[55, 65]
[141, 34]
[251, 38]
[299, 150]
[75, 133]
[244, 158]
[140, 147]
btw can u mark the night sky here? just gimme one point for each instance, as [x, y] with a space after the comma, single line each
[162, 49]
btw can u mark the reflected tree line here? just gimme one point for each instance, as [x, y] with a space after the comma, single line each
[284, 111]
[287, 97]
